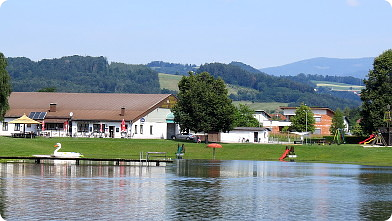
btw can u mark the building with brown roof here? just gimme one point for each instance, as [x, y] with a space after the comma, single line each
[322, 116]
[93, 114]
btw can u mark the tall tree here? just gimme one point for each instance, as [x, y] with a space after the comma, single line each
[203, 104]
[303, 120]
[377, 94]
[244, 117]
[337, 122]
[5, 86]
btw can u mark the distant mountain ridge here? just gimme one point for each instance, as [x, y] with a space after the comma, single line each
[355, 67]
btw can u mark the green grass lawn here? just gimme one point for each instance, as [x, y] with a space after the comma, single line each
[130, 148]
[169, 81]
[267, 106]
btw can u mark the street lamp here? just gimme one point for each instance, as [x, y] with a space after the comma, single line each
[306, 126]
[70, 123]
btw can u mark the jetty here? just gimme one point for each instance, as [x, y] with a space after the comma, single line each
[150, 158]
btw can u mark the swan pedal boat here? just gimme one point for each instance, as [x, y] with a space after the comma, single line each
[56, 153]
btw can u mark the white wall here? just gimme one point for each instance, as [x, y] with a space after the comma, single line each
[11, 128]
[154, 122]
[237, 136]
[260, 116]
[157, 120]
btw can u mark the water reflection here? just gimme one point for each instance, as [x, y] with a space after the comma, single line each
[70, 192]
[376, 192]
[275, 191]
[195, 190]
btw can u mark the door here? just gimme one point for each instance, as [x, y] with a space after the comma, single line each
[256, 137]
[171, 130]
[111, 131]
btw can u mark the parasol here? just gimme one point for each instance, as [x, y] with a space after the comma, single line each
[214, 146]
[24, 120]
[123, 128]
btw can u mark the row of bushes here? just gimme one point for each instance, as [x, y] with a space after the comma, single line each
[347, 139]
[315, 139]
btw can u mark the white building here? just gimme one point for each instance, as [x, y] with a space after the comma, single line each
[145, 116]
[245, 134]
[266, 121]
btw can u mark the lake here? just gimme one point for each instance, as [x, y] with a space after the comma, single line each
[195, 190]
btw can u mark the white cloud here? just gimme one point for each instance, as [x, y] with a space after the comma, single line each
[2, 1]
[352, 3]
[390, 2]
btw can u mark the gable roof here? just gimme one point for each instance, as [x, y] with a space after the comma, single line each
[263, 112]
[88, 106]
[312, 108]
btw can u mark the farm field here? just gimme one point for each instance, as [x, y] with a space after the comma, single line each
[339, 86]
[169, 81]
[266, 106]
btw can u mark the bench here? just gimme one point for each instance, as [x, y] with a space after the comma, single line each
[150, 155]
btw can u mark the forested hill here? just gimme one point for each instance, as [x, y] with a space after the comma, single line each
[267, 88]
[95, 75]
[171, 68]
[81, 74]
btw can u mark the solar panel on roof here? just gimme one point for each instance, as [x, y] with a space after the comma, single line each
[37, 115]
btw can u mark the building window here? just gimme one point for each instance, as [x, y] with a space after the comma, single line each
[141, 129]
[54, 126]
[83, 127]
[17, 127]
[317, 119]
[97, 128]
[5, 126]
[151, 130]
[135, 129]
[317, 131]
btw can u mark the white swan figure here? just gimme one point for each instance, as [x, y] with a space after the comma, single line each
[56, 153]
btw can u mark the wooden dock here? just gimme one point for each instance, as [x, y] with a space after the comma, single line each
[117, 161]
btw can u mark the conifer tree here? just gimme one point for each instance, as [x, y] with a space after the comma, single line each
[337, 122]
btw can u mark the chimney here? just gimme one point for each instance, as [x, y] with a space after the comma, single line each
[122, 111]
[52, 107]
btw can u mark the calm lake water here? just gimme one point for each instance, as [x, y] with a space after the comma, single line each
[195, 190]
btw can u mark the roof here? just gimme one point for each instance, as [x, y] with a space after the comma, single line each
[312, 108]
[250, 128]
[88, 106]
[262, 112]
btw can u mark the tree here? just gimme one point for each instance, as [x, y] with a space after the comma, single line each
[244, 117]
[303, 120]
[5, 86]
[377, 93]
[357, 130]
[337, 122]
[203, 104]
[48, 89]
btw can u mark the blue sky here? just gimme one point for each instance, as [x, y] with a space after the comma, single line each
[261, 33]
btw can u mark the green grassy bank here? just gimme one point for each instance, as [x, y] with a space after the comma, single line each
[130, 148]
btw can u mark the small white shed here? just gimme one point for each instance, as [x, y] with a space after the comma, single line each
[246, 134]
